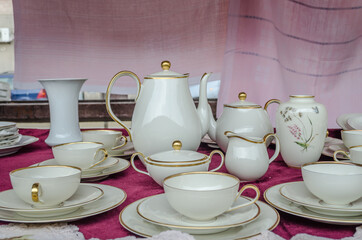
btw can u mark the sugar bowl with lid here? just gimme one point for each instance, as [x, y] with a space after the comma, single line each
[241, 117]
[164, 164]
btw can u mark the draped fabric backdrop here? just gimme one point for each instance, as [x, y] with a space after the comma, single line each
[269, 49]
[283, 47]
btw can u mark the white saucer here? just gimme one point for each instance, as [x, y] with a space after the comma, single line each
[7, 125]
[157, 210]
[343, 118]
[122, 165]
[113, 197]
[336, 147]
[332, 143]
[206, 139]
[297, 192]
[84, 195]
[275, 199]
[108, 163]
[355, 122]
[25, 140]
[10, 140]
[267, 220]
[124, 151]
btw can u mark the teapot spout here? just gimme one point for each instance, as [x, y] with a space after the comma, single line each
[204, 110]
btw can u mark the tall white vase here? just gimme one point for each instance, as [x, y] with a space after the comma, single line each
[63, 97]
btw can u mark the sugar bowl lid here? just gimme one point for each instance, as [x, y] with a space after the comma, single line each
[177, 155]
[166, 73]
[242, 104]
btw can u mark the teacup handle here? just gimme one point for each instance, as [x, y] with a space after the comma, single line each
[255, 188]
[277, 146]
[342, 152]
[35, 192]
[104, 157]
[134, 166]
[125, 142]
[222, 159]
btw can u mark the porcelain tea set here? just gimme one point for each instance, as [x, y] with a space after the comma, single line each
[166, 132]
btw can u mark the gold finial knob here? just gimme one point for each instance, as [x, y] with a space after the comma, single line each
[166, 65]
[242, 96]
[177, 145]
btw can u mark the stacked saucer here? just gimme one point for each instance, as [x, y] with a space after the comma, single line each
[350, 121]
[9, 134]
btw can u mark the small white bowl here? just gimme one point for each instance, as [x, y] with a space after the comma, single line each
[335, 183]
[351, 137]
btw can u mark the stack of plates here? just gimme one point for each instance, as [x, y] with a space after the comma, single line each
[350, 121]
[110, 166]
[295, 198]
[89, 200]
[150, 216]
[9, 134]
[333, 144]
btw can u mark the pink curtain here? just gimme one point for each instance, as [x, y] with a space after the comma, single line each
[279, 48]
[96, 39]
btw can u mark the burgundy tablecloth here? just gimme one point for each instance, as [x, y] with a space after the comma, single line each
[136, 185]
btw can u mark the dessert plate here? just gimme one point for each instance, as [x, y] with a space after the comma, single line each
[298, 193]
[112, 197]
[84, 195]
[91, 177]
[157, 210]
[108, 163]
[25, 140]
[275, 199]
[355, 122]
[7, 125]
[10, 140]
[267, 220]
[343, 118]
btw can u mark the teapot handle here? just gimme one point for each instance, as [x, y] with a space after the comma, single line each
[108, 96]
[277, 145]
[270, 102]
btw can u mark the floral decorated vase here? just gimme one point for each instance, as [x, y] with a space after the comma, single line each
[301, 126]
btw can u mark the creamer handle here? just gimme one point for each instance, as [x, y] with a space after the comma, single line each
[270, 102]
[222, 159]
[108, 97]
[277, 145]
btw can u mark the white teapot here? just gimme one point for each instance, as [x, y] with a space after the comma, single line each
[241, 117]
[247, 157]
[164, 111]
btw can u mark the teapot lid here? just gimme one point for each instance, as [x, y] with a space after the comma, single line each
[177, 155]
[166, 73]
[242, 103]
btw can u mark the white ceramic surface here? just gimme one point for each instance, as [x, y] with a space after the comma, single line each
[335, 183]
[355, 122]
[298, 193]
[164, 164]
[85, 194]
[45, 186]
[112, 198]
[301, 126]
[351, 137]
[122, 165]
[354, 154]
[241, 117]
[332, 143]
[6, 125]
[176, 119]
[63, 97]
[157, 210]
[342, 120]
[109, 138]
[267, 220]
[247, 157]
[205, 195]
[273, 197]
[84, 155]
[108, 163]
[25, 140]
[10, 140]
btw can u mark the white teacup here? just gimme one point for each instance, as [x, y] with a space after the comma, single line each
[84, 155]
[336, 183]
[45, 186]
[351, 137]
[111, 139]
[355, 154]
[204, 195]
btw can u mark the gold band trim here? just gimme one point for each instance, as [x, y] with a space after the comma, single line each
[35, 192]
[248, 140]
[71, 143]
[243, 107]
[185, 76]
[301, 96]
[175, 165]
[19, 169]
[192, 161]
